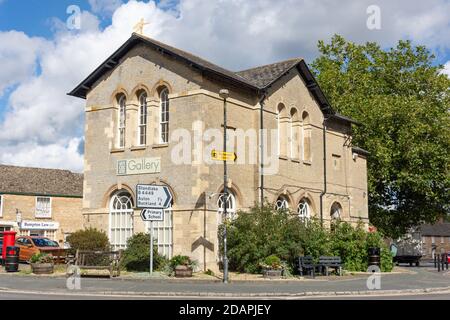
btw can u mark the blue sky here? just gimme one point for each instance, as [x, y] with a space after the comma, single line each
[42, 59]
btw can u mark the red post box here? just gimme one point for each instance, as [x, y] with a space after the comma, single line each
[9, 240]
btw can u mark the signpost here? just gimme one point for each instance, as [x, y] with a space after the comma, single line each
[151, 196]
[223, 156]
[153, 200]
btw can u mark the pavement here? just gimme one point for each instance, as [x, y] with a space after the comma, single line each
[418, 281]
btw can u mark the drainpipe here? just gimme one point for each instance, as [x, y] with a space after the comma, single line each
[322, 194]
[261, 148]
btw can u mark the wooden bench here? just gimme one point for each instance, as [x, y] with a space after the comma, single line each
[335, 263]
[98, 260]
[306, 265]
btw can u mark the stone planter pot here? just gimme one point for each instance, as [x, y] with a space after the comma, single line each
[42, 268]
[183, 272]
[273, 273]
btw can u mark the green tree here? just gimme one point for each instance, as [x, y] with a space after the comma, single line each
[402, 100]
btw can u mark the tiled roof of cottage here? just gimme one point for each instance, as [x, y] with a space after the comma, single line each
[438, 229]
[37, 181]
[263, 76]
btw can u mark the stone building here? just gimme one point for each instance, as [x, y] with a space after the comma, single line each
[40, 202]
[435, 238]
[144, 100]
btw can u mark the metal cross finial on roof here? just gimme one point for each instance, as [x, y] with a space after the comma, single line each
[139, 27]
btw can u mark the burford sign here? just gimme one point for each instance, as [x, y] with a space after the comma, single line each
[138, 166]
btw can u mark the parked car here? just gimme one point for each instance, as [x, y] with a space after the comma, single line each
[31, 245]
[1, 250]
[448, 257]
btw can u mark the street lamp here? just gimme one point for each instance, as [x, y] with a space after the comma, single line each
[224, 94]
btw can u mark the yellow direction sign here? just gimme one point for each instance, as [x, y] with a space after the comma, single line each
[223, 156]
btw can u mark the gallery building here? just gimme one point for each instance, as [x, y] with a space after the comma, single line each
[40, 202]
[144, 100]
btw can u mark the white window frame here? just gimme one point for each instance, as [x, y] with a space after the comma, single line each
[164, 123]
[231, 208]
[282, 204]
[305, 211]
[1, 205]
[121, 125]
[142, 120]
[36, 208]
[121, 222]
[163, 233]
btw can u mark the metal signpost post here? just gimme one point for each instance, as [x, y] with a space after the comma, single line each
[153, 199]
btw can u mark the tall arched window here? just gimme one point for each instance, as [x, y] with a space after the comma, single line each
[120, 219]
[142, 125]
[306, 134]
[164, 116]
[282, 203]
[122, 118]
[230, 203]
[282, 120]
[294, 134]
[336, 211]
[304, 209]
[163, 233]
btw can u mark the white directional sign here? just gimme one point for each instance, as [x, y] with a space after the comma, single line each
[152, 215]
[151, 196]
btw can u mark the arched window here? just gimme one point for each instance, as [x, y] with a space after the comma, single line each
[230, 203]
[122, 116]
[304, 209]
[294, 133]
[120, 219]
[142, 125]
[282, 203]
[163, 233]
[164, 116]
[336, 211]
[282, 120]
[306, 134]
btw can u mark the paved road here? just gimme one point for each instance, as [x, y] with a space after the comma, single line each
[40, 296]
[421, 278]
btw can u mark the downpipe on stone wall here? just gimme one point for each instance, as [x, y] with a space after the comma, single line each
[322, 194]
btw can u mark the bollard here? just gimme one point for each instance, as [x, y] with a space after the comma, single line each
[438, 262]
[442, 261]
[435, 261]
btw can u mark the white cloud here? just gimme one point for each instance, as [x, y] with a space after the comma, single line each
[446, 69]
[236, 34]
[18, 57]
[59, 155]
[104, 7]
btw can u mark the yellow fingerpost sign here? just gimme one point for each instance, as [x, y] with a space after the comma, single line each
[223, 156]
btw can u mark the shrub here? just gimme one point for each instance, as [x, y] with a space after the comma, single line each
[41, 258]
[88, 239]
[272, 262]
[136, 256]
[259, 233]
[263, 232]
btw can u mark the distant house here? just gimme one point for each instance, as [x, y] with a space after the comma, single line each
[435, 236]
[40, 202]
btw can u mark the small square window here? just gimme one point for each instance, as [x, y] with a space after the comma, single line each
[43, 207]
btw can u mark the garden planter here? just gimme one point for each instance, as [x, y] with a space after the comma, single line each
[273, 273]
[183, 272]
[42, 268]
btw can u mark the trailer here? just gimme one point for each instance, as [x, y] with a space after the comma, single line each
[408, 249]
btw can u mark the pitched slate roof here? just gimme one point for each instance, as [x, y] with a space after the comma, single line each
[257, 79]
[37, 181]
[263, 76]
[438, 229]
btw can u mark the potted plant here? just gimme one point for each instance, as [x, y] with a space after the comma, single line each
[272, 267]
[182, 266]
[42, 263]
